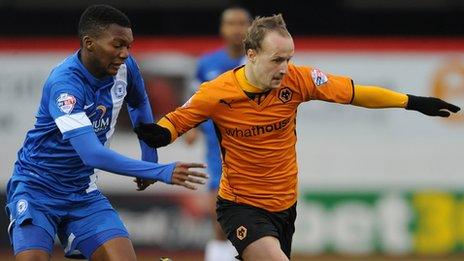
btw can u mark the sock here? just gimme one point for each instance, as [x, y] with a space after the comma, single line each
[219, 250]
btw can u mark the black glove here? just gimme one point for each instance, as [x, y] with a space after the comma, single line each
[431, 106]
[153, 135]
[142, 184]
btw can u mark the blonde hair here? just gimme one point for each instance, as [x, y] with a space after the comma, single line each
[260, 27]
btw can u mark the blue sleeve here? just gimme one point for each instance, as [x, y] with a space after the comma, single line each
[95, 155]
[143, 114]
[199, 74]
[139, 108]
[209, 66]
[66, 106]
[136, 88]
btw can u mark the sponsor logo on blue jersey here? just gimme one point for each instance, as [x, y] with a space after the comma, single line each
[21, 206]
[102, 121]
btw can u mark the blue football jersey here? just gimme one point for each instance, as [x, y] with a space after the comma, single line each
[209, 67]
[73, 102]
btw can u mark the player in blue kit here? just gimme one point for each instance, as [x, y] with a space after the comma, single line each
[233, 25]
[52, 190]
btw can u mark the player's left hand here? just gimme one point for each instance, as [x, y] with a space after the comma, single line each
[431, 106]
[183, 176]
[142, 184]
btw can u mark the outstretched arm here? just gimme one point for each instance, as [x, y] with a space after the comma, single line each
[377, 97]
[95, 155]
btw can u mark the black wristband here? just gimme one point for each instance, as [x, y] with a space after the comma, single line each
[165, 137]
[414, 102]
[153, 134]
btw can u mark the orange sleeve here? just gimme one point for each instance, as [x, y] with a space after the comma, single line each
[377, 97]
[316, 85]
[196, 110]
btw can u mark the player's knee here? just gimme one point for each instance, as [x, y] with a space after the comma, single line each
[116, 249]
[32, 255]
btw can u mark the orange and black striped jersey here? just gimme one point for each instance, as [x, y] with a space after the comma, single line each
[258, 138]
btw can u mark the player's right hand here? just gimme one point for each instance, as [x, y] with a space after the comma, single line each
[183, 176]
[142, 184]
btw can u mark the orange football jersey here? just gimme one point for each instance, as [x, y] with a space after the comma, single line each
[258, 140]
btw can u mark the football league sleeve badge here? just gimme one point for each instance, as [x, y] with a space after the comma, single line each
[318, 77]
[66, 102]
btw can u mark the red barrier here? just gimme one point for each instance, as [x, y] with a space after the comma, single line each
[198, 45]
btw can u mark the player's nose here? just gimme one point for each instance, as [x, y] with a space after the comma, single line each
[124, 53]
[283, 68]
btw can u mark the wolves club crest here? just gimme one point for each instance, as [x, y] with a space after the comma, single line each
[285, 94]
[241, 232]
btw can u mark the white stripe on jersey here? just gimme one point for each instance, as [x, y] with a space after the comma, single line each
[118, 92]
[69, 122]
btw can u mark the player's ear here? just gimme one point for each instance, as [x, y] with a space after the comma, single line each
[87, 43]
[251, 55]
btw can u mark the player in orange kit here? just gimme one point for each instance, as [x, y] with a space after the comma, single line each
[254, 111]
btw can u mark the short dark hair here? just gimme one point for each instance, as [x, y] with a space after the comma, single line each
[260, 27]
[236, 8]
[96, 18]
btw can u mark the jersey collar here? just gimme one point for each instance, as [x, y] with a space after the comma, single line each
[244, 83]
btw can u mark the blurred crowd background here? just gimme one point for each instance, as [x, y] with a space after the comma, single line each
[385, 182]
[180, 18]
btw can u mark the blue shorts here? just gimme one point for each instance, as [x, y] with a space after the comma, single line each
[81, 227]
